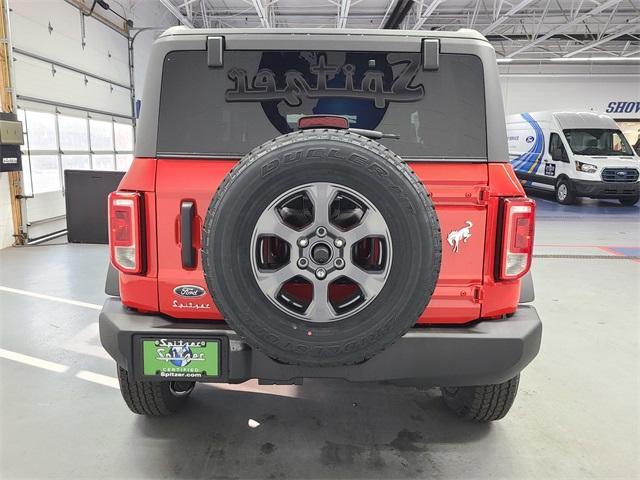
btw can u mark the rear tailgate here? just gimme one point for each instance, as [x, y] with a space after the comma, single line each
[459, 192]
[212, 113]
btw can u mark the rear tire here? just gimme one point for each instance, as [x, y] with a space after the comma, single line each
[564, 192]
[483, 403]
[629, 201]
[155, 399]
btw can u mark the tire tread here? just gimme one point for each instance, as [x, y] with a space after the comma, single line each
[483, 403]
[147, 398]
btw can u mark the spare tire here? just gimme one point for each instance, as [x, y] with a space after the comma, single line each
[321, 248]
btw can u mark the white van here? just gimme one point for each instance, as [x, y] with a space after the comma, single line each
[573, 154]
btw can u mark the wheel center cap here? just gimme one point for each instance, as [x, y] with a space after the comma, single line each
[321, 253]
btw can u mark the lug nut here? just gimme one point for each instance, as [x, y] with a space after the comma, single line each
[303, 242]
[321, 273]
[339, 263]
[321, 231]
[338, 242]
[303, 263]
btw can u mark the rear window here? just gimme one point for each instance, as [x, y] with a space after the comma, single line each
[257, 96]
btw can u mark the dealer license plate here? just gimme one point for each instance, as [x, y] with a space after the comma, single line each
[181, 357]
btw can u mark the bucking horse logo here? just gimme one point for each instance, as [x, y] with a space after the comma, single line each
[456, 236]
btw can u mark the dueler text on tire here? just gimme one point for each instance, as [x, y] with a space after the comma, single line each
[321, 248]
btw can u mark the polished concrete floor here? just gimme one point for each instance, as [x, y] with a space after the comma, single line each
[576, 416]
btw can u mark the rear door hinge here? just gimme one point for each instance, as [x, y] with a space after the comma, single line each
[215, 51]
[430, 53]
[483, 193]
[478, 294]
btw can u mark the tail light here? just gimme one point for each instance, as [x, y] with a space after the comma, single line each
[125, 231]
[323, 121]
[517, 237]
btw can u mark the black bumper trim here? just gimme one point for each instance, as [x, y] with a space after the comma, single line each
[491, 351]
[588, 188]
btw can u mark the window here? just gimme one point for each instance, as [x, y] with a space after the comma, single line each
[101, 135]
[259, 95]
[123, 137]
[597, 141]
[555, 142]
[123, 161]
[42, 130]
[55, 142]
[21, 116]
[73, 133]
[76, 162]
[26, 169]
[45, 173]
[104, 162]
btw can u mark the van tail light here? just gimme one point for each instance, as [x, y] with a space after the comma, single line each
[517, 237]
[125, 231]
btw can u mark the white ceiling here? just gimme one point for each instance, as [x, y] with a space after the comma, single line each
[520, 29]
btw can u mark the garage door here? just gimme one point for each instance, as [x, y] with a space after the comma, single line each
[74, 99]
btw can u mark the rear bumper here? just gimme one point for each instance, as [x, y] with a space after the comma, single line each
[488, 352]
[586, 188]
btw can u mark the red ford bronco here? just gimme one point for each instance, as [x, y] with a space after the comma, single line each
[321, 204]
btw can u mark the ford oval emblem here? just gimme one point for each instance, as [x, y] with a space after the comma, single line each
[189, 291]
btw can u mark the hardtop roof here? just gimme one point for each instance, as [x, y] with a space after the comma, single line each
[461, 42]
[463, 33]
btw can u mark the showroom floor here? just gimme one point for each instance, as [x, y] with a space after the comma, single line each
[62, 415]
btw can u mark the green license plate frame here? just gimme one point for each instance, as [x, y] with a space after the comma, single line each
[182, 357]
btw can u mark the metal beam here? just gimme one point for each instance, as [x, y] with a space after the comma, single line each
[343, 14]
[564, 27]
[612, 36]
[426, 13]
[387, 12]
[392, 19]
[176, 13]
[203, 13]
[576, 37]
[262, 13]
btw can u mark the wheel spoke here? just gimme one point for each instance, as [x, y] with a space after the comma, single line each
[321, 195]
[271, 281]
[270, 223]
[372, 224]
[369, 282]
[320, 310]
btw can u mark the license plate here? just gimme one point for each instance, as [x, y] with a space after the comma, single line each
[181, 357]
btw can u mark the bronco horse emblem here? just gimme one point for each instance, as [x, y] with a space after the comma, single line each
[456, 236]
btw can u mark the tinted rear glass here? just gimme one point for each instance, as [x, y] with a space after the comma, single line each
[257, 96]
